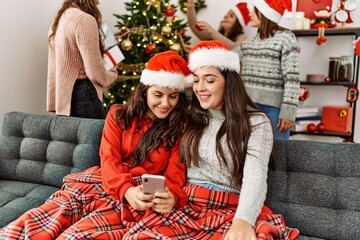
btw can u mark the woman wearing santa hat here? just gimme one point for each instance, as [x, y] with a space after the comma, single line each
[226, 148]
[139, 137]
[231, 31]
[270, 65]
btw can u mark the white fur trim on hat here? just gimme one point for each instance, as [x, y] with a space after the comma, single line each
[164, 79]
[267, 11]
[215, 57]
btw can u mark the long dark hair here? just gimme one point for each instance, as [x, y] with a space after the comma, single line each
[267, 27]
[236, 30]
[238, 108]
[163, 132]
[88, 6]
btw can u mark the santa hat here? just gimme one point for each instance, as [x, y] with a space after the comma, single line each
[242, 13]
[167, 69]
[273, 9]
[215, 54]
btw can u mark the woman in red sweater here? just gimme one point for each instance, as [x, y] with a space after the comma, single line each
[139, 137]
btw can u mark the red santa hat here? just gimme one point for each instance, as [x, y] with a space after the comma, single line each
[273, 9]
[242, 13]
[213, 53]
[167, 69]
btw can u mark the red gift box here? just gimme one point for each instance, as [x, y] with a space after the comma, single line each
[337, 118]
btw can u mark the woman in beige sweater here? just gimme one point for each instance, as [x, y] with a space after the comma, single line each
[76, 71]
[231, 31]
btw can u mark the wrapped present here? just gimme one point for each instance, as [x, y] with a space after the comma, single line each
[107, 36]
[112, 57]
[337, 118]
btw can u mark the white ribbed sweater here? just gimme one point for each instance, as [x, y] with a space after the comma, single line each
[254, 186]
[75, 47]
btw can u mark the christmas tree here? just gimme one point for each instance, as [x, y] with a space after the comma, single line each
[150, 28]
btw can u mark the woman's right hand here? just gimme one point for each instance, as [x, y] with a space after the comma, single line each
[137, 199]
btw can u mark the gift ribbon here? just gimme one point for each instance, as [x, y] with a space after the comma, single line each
[111, 58]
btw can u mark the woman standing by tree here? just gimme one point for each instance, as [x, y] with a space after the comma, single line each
[76, 71]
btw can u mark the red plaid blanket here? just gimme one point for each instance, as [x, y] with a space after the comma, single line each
[82, 210]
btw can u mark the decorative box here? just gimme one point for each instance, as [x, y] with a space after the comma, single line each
[337, 118]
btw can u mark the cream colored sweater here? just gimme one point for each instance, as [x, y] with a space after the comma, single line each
[254, 187]
[75, 48]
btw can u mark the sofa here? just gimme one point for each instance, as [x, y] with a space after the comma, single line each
[36, 152]
[314, 185]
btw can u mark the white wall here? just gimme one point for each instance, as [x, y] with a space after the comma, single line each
[23, 48]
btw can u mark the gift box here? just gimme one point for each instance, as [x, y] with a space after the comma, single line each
[337, 118]
[112, 57]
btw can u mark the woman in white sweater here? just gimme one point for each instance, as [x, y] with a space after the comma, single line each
[226, 147]
[76, 71]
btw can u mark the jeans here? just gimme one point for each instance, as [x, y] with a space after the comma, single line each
[85, 102]
[273, 113]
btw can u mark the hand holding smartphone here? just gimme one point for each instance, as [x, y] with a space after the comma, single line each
[153, 183]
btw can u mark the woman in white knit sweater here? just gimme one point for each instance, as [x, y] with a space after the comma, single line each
[76, 71]
[226, 148]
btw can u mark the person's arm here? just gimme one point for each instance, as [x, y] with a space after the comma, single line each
[254, 185]
[229, 43]
[87, 39]
[116, 178]
[290, 71]
[192, 20]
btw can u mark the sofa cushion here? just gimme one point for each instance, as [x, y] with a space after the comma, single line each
[17, 197]
[316, 187]
[37, 152]
[43, 149]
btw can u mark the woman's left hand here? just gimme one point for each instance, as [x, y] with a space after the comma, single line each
[284, 125]
[163, 202]
[240, 230]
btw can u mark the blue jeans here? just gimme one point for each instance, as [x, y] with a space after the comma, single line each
[273, 113]
[85, 102]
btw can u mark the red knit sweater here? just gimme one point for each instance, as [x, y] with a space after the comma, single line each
[116, 148]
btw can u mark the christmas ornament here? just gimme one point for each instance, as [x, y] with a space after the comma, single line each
[352, 94]
[199, 27]
[311, 127]
[166, 30]
[126, 45]
[199, 4]
[176, 47]
[342, 9]
[320, 127]
[176, 19]
[149, 48]
[182, 32]
[169, 12]
[321, 21]
[304, 93]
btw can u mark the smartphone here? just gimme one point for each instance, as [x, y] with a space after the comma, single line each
[153, 183]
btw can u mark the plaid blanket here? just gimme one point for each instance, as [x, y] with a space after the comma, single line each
[81, 209]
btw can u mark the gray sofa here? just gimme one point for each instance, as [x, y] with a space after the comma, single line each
[315, 185]
[36, 152]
